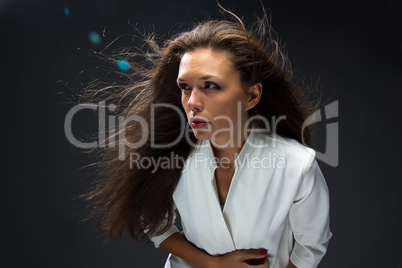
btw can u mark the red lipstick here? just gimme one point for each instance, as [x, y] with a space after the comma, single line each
[196, 122]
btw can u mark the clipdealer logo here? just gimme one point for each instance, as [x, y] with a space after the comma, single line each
[331, 154]
[330, 112]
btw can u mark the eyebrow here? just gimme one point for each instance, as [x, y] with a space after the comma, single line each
[205, 77]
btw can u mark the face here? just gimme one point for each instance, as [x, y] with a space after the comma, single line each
[212, 96]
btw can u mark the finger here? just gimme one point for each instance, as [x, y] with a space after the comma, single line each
[253, 253]
[264, 264]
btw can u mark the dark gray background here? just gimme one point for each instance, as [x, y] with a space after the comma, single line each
[354, 49]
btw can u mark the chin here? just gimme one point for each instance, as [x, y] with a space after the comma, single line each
[202, 135]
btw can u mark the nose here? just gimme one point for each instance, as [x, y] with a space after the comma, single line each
[195, 102]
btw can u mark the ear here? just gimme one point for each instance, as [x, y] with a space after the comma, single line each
[254, 95]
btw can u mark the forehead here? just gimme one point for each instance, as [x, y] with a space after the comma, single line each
[206, 61]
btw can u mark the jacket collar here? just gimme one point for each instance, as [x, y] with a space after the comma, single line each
[247, 148]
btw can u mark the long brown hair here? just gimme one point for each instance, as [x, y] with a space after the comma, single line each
[137, 200]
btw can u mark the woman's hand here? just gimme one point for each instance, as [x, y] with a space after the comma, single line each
[242, 259]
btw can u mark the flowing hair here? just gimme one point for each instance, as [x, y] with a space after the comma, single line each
[139, 201]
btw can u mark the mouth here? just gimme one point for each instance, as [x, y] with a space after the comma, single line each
[197, 122]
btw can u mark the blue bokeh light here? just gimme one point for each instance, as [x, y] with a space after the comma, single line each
[94, 37]
[66, 12]
[123, 64]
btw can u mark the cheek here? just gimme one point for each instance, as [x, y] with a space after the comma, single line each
[227, 111]
[231, 106]
[232, 111]
[183, 101]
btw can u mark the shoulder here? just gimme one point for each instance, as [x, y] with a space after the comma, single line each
[285, 145]
[292, 151]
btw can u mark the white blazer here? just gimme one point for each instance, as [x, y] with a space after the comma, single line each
[278, 200]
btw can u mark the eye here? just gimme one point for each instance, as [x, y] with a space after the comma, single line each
[212, 85]
[183, 86]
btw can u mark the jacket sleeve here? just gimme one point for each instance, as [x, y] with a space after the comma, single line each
[309, 217]
[157, 240]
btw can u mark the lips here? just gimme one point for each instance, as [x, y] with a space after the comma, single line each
[196, 122]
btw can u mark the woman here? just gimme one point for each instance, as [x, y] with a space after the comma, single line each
[248, 191]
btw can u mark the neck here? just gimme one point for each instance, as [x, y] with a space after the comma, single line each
[229, 152]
